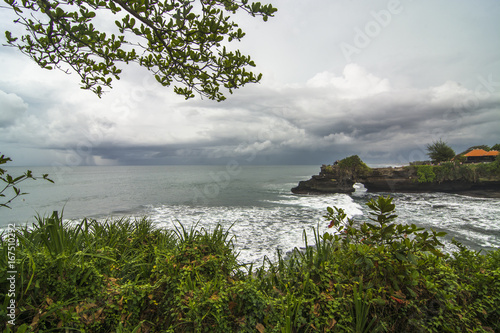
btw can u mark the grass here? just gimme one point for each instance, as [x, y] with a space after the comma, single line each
[127, 275]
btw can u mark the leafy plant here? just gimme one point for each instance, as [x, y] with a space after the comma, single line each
[361, 310]
[402, 239]
[425, 173]
[12, 182]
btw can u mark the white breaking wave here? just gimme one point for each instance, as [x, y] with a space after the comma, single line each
[261, 231]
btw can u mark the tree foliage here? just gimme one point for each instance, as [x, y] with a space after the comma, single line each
[10, 182]
[425, 173]
[439, 151]
[178, 41]
[483, 147]
[355, 165]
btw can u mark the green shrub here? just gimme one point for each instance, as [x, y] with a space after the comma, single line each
[450, 171]
[354, 165]
[327, 168]
[425, 173]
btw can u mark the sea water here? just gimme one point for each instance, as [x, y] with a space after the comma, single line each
[254, 202]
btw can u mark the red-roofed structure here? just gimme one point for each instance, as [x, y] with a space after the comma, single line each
[476, 152]
[480, 155]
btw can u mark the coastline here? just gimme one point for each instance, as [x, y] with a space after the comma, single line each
[461, 179]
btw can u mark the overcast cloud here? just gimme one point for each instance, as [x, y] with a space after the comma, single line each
[381, 79]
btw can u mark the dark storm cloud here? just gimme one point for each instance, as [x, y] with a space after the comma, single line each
[296, 124]
[407, 87]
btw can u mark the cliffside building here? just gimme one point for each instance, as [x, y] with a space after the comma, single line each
[480, 155]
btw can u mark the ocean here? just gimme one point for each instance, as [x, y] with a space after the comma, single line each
[255, 202]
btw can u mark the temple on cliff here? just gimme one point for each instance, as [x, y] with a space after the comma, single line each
[480, 155]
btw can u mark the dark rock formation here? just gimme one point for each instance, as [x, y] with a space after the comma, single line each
[333, 179]
[321, 184]
[330, 180]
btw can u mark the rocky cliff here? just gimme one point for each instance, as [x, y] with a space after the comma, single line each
[335, 179]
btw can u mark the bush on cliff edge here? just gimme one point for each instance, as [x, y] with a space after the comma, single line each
[354, 165]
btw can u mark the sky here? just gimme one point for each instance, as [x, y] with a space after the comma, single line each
[379, 79]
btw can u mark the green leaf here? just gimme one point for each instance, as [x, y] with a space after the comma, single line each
[412, 258]
[8, 36]
[400, 257]
[412, 293]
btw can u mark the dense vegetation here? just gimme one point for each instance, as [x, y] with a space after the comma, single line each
[352, 165]
[355, 165]
[456, 171]
[128, 276]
